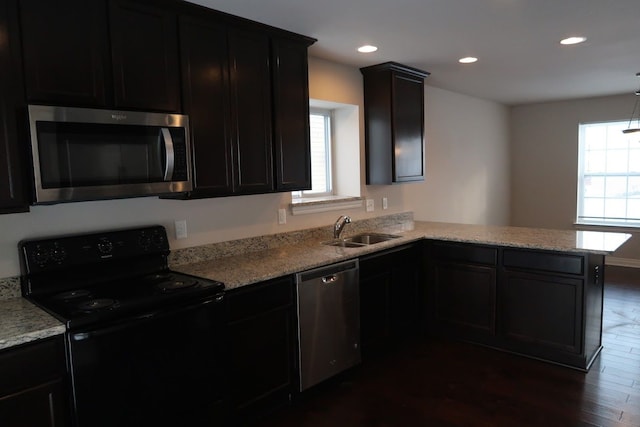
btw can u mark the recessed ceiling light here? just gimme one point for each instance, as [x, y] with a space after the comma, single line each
[573, 40]
[467, 60]
[367, 48]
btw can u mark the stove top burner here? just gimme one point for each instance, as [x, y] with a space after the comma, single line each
[96, 304]
[175, 285]
[72, 295]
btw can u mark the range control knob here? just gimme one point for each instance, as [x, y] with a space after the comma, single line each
[41, 256]
[58, 254]
[158, 239]
[144, 241]
[105, 247]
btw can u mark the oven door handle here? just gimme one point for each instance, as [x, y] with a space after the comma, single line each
[131, 321]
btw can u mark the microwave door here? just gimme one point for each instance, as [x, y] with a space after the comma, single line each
[169, 153]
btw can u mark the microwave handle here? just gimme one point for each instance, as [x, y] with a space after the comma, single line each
[170, 156]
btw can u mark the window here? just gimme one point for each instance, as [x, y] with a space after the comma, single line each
[608, 175]
[335, 159]
[320, 129]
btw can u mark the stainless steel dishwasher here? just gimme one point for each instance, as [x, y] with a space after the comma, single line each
[328, 305]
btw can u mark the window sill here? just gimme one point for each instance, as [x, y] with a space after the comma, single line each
[324, 204]
[606, 227]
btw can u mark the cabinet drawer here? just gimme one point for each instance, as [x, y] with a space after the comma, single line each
[544, 261]
[31, 364]
[467, 253]
[253, 300]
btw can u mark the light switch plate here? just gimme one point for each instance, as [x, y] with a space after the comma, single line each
[370, 205]
[282, 216]
[385, 203]
[181, 229]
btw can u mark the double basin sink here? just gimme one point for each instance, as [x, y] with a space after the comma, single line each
[360, 240]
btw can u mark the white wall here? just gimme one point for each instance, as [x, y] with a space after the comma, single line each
[467, 161]
[466, 182]
[544, 159]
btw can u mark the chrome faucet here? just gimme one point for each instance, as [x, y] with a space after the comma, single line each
[339, 225]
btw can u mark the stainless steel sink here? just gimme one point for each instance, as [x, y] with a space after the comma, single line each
[371, 238]
[360, 240]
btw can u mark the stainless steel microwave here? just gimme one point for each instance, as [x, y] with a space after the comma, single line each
[90, 154]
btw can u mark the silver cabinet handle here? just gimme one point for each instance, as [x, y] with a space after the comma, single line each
[170, 156]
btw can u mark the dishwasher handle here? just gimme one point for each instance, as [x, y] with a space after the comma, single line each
[330, 279]
[326, 273]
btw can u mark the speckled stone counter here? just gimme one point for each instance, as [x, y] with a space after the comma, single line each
[22, 322]
[246, 261]
[274, 256]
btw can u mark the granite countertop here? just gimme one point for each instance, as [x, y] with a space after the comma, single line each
[256, 266]
[253, 260]
[22, 322]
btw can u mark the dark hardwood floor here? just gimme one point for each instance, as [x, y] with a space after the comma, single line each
[439, 383]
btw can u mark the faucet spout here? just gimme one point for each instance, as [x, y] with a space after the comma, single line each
[339, 225]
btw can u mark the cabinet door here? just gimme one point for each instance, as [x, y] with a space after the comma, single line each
[539, 312]
[13, 194]
[394, 123]
[145, 57]
[375, 303]
[464, 298]
[408, 128]
[65, 50]
[251, 111]
[203, 48]
[462, 282]
[39, 406]
[390, 296]
[291, 116]
[261, 347]
[33, 390]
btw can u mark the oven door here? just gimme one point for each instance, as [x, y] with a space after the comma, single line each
[157, 369]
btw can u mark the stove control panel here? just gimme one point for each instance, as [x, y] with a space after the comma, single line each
[62, 252]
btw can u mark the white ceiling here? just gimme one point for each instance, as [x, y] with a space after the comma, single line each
[516, 41]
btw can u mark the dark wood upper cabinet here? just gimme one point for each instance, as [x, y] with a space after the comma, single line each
[394, 123]
[13, 191]
[65, 51]
[205, 89]
[250, 80]
[291, 115]
[144, 43]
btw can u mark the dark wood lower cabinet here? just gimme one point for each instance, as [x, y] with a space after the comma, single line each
[541, 304]
[261, 348]
[33, 390]
[390, 301]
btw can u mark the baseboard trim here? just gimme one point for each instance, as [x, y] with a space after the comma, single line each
[622, 262]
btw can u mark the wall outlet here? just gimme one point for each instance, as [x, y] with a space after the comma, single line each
[370, 205]
[181, 229]
[282, 216]
[385, 203]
